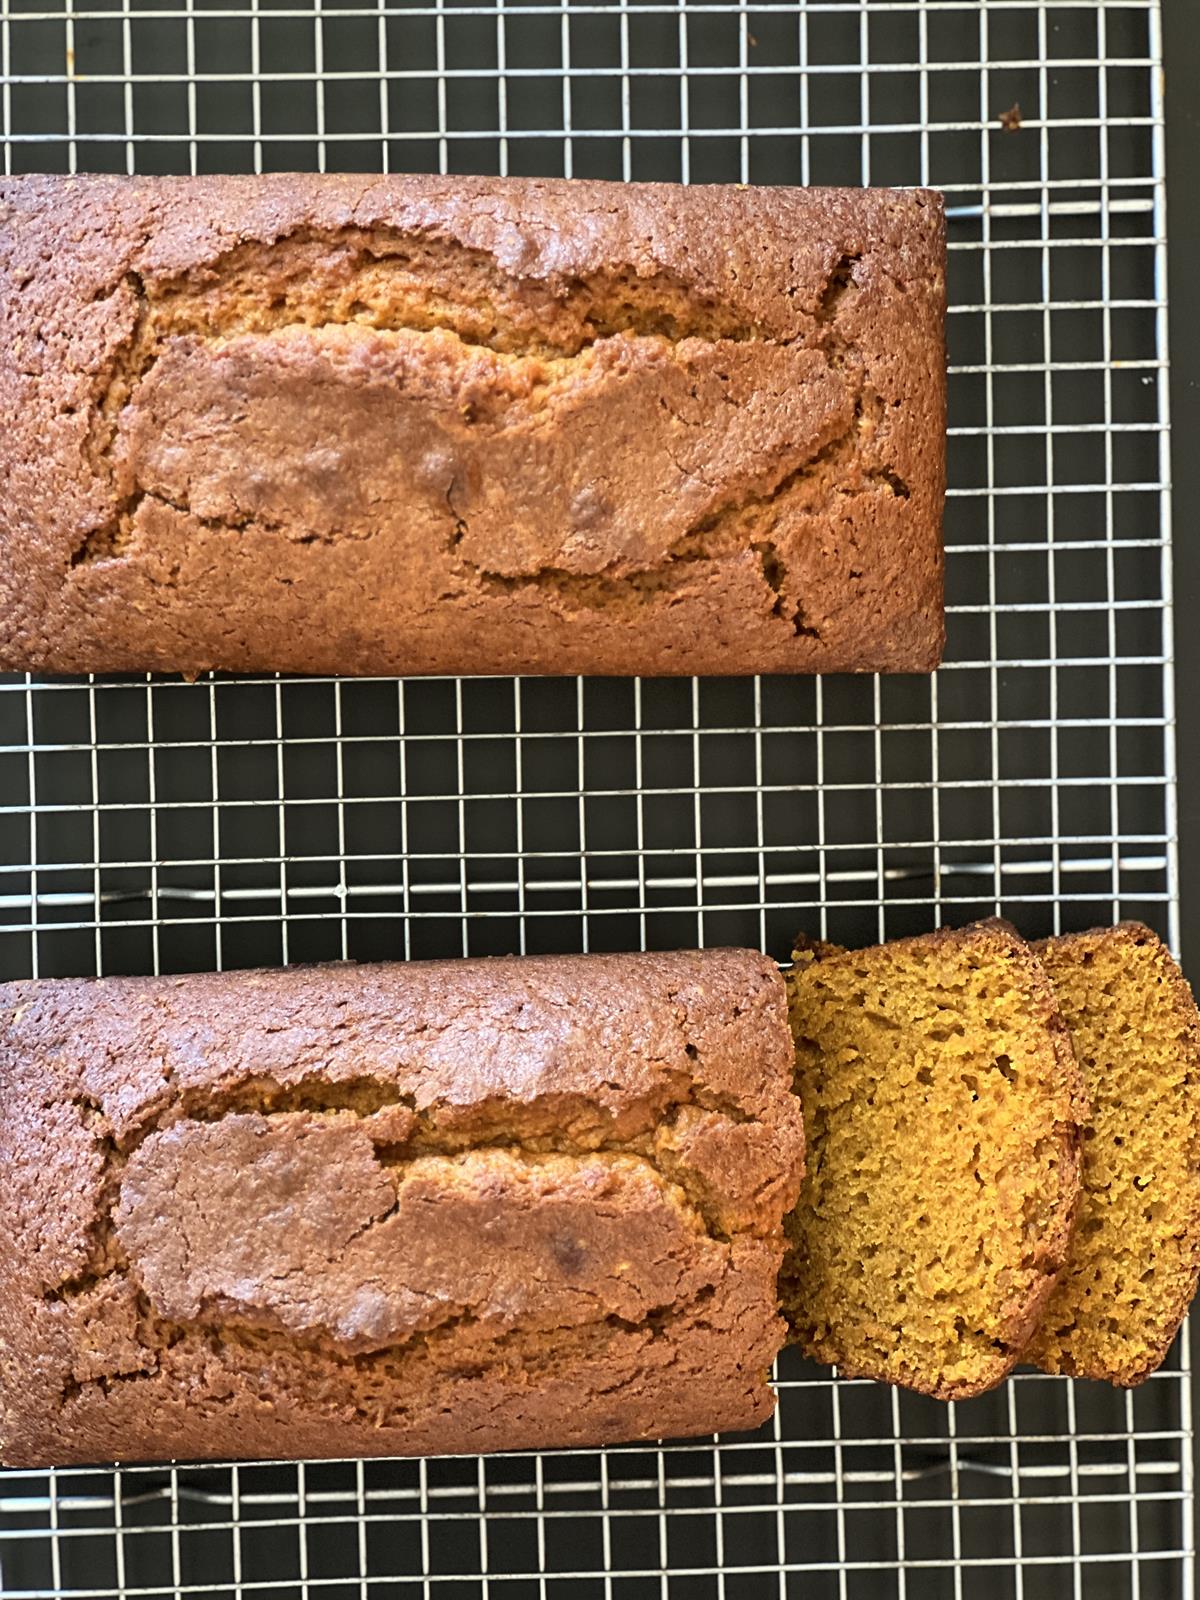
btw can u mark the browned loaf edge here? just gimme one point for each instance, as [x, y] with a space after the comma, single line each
[403, 1209]
[1147, 1339]
[1051, 1249]
[420, 425]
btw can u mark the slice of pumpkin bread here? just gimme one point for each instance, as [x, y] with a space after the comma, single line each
[1133, 1262]
[942, 1111]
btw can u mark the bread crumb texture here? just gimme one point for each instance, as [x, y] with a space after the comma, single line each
[446, 1207]
[1133, 1263]
[420, 424]
[942, 1108]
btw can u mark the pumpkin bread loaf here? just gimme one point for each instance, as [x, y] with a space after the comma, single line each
[419, 424]
[407, 1209]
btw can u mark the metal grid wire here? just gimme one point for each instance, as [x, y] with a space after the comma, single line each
[151, 825]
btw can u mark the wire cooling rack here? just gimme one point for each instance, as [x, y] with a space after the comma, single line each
[153, 825]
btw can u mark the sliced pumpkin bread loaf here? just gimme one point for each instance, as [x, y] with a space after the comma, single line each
[1133, 1262]
[942, 1110]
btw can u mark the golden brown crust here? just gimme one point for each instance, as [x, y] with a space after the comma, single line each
[404, 1209]
[469, 425]
[1035, 1274]
[1145, 1333]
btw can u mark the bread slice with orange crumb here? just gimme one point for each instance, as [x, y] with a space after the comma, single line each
[1133, 1263]
[942, 1111]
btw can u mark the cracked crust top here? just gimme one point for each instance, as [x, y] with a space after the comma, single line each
[404, 1209]
[346, 424]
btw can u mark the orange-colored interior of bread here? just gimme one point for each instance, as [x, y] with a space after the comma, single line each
[940, 1166]
[1132, 1266]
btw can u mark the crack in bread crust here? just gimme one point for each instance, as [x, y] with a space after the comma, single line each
[401, 1134]
[163, 1335]
[364, 1098]
[115, 1271]
[385, 284]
